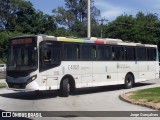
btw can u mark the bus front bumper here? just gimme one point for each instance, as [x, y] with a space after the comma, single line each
[23, 87]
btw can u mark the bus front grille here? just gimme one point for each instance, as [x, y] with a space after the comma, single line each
[17, 85]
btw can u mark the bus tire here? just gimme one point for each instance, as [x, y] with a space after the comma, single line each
[129, 81]
[37, 92]
[65, 88]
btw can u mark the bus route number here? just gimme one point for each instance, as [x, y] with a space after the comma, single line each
[73, 67]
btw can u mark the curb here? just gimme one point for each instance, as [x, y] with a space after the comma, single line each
[124, 98]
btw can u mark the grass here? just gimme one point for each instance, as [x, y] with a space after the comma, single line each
[148, 95]
[1, 62]
[2, 85]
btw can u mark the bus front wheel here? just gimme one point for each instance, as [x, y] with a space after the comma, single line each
[65, 87]
[129, 81]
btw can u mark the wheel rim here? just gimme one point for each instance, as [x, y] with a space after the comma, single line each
[129, 81]
[68, 87]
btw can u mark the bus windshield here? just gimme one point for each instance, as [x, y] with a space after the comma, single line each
[22, 57]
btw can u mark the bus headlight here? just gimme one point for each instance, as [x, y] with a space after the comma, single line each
[32, 79]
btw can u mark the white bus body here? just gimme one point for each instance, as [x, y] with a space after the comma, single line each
[113, 62]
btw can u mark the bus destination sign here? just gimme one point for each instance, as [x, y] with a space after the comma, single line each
[21, 41]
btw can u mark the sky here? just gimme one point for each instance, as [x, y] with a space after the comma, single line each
[110, 9]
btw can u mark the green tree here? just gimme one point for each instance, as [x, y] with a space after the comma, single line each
[147, 28]
[142, 28]
[41, 23]
[9, 10]
[79, 9]
[61, 32]
[19, 15]
[74, 16]
[34, 22]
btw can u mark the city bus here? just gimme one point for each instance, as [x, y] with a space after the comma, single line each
[41, 62]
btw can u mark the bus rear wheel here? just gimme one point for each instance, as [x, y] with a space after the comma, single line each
[129, 81]
[65, 88]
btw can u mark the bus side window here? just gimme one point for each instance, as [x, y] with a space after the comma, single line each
[46, 55]
[130, 53]
[88, 52]
[71, 52]
[113, 55]
[142, 54]
[94, 54]
[117, 53]
[104, 53]
[55, 55]
[151, 54]
[50, 55]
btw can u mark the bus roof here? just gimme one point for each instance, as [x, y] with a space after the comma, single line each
[95, 40]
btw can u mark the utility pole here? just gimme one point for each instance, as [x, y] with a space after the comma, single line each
[89, 20]
[102, 21]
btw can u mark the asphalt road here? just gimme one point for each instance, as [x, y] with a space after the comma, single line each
[88, 99]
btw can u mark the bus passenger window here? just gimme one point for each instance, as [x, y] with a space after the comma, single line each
[113, 55]
[71, 52]
[46, 56]
[117, 53]
[104, 53]
[151, 54]
[94, 54]
[55, 55]
[88, 52]
[142, 54]
[130, 53]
